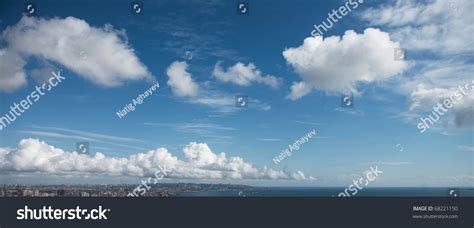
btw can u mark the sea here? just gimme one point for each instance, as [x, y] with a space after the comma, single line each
[334, 191]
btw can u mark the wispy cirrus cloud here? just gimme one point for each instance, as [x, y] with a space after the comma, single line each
[62, 133]
[215, 133]
[195, 128]
[395, 163]
[305, 122]
[225, 103]
[355, 112]
[439, 26]
[437, 30]
[203, 40]
[92, 134]
[466, 148]
[268, 139]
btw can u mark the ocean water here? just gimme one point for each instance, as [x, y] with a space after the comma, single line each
[334, 191]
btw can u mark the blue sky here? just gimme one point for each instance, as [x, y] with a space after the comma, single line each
[390, 96]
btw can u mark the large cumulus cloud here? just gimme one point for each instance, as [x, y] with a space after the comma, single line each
[34, 156]
[335, 64]
[100, 55]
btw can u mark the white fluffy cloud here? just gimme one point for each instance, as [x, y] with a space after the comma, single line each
[431, 82]
[183, 85]
[441, 26]
[335, 64]
[244, 75]
[180, 80]
[423, 99]
[110, 60]
[33, 155]
[12, 75]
